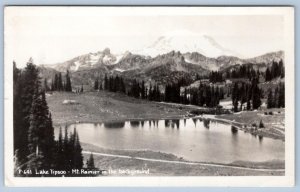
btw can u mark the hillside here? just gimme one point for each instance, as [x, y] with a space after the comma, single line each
[162, 69]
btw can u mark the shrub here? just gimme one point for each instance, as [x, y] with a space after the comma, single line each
[261, 124]
[270, 113]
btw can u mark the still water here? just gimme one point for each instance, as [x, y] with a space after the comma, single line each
[192, 139]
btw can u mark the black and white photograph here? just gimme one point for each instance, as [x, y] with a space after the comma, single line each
[154, 93]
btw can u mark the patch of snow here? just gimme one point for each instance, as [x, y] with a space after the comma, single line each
[186, 41]
[226, 104]
[120, 70]
[94, 58]
[66, 102]
[106, 59]
[76, 67]
[188, 60]
[118, 58]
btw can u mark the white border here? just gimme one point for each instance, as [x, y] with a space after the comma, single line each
[241, 181]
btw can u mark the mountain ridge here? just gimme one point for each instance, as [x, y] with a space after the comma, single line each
[129, 61]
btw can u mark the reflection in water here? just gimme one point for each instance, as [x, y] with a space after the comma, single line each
[195, 120]
[134, 123]
[206, 123]
[142, 123]
[167, 123]
[153, 123]
[234, 130]
[260, 138]
[176, 122]
[114, 124]
[220, 143]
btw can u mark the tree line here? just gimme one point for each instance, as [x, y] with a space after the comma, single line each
[58, 84]
[111, 83]
[274, 71]
[204, 95]
[215, 76]
[246, 93]
[34, 144]
[276, 98]
[242, 71]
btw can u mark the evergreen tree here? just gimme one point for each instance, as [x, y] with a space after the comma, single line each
[261, 125]
[67, 151]
[56, 82]
[90, 162]
[122, 86]
[215, 76]
[18, 116]
[34, 144]
[281, 68]
[60, 156]
[60, 85]
[77, 156]
[235, 105]
[96, 84]
[270, 99]
[268, 76]
[143, 94]
[40, 133]
[235, 97]
[106, 85]
[26, 88]
[276, 97]
[275, 70]
[185, 96]
[100, 87]
[46, 87]
[68, 86]
[281, 95]
[243, 98]
[249, 96]
[256, 95]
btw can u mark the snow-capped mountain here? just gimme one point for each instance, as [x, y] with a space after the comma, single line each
[186, 41]
[162, 69]
[131, 61]
[88, 61]
[197, 49]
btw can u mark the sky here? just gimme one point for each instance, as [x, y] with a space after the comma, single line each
[55, 34]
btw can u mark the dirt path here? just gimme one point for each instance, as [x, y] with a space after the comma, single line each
[182, 162]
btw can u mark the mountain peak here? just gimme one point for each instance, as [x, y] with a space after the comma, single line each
[187, 41]
[106, 51]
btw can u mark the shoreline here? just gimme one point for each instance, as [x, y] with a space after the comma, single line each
[96, 107]
[240, 126]
[243, 127]
[109, 156]
[105, 107]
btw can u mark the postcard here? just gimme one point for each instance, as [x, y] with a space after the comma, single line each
[149, 96]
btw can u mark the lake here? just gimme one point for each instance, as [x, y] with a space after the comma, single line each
[192, 139]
